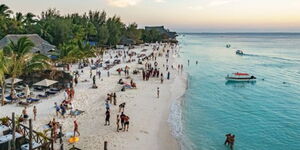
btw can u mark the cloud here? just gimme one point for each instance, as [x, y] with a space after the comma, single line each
[123, 3]
[220, 2]
[126, 3]
[213, 3]
[159, 1]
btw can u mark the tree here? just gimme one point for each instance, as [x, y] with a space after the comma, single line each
[3, 70]
[133, 32]
[4, 10]
[21, 59]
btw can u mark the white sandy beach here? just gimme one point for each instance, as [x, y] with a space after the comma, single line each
[148, 129]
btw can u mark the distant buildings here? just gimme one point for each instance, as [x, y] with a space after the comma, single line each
[167, 34]
[40, 45]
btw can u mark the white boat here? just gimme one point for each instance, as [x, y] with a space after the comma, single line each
[239, 52]
[241, 77]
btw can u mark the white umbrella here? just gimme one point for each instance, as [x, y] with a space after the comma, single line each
[9, 80]
[45, 82]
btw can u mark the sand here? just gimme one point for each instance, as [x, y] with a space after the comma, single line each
[149, 128]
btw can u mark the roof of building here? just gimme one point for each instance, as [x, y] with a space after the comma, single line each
[40, 45]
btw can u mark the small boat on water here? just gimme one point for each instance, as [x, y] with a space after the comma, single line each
[240, 77]
[239, 52]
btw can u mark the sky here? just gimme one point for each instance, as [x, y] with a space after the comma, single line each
[184, 15]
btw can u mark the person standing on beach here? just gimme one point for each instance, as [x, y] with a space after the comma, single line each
[94, 80]
[57, 109]
[115, 99]
[25, 115]
[168, 76]
[63, 110]
[157, 92]
[76, 128]
[107, 117]
[188, 62]
[34, 113]
[122, 117]
[126, 123]
[91, 73]
[108, 73]
[118, 123]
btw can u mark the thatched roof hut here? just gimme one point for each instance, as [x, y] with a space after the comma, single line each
[40, 45]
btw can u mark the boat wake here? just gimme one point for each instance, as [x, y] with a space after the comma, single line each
[273, 57]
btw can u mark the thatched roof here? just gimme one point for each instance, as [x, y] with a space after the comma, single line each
[40, 45]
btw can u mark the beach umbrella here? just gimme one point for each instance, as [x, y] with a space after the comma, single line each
[9, 80]
[45, 82]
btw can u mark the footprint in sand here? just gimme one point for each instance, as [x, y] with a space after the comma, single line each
[146, 132]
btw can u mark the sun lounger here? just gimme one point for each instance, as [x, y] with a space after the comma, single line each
[42, 96]
[51, 92]
[38, 89]
[31, 100]
[23, 103]
[55, 89]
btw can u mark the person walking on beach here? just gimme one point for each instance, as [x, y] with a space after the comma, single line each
[63, 110]
[76, 128]
[107, 117]
[34, 112]
[168, 76]
[157, 92]
[108, 73]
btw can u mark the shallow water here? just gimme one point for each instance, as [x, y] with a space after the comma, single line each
[264, 115]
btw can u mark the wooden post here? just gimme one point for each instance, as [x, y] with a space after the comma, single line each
[52, 141]
[60, 138]
[105, 145]
[30, 134]
[13, 132]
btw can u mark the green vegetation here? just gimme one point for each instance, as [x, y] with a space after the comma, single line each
[59, 30]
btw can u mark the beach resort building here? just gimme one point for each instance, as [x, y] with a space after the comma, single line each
[40, 45]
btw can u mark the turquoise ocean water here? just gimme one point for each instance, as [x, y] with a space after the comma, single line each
[264, 115]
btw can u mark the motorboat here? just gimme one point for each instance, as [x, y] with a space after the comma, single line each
[240, 77]
[239, 52]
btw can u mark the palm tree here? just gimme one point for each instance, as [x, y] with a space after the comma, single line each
[22, 60]
[3, 71]
[4, 10]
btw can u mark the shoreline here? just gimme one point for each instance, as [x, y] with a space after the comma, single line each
[149, 116]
